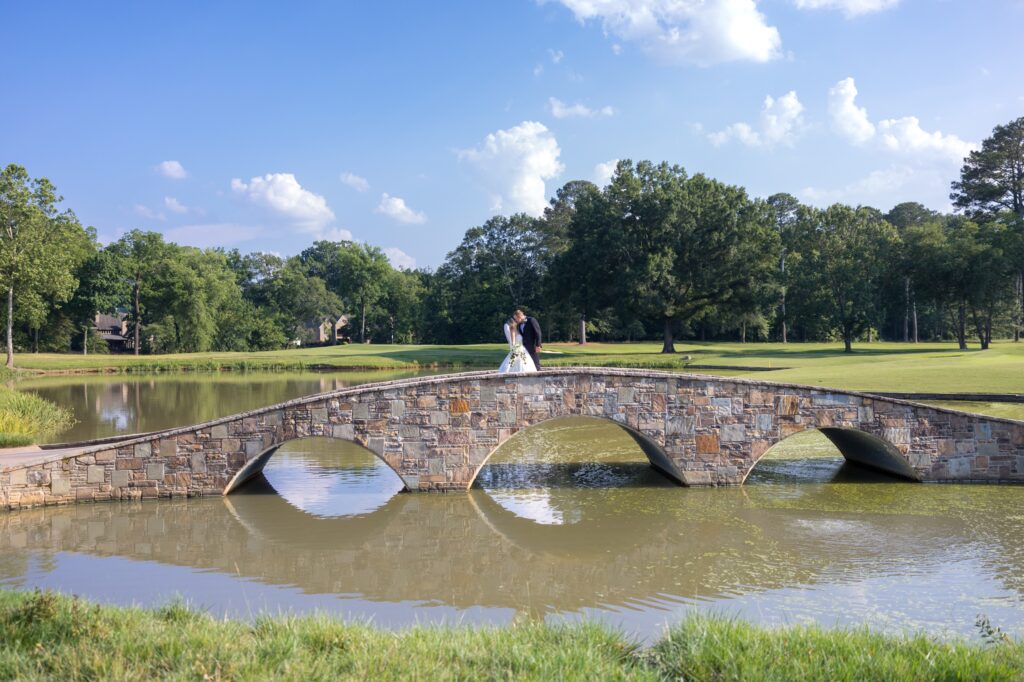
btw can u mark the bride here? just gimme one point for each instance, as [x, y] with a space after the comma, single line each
[517, 360]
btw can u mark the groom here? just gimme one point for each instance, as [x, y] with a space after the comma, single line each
[529, 332]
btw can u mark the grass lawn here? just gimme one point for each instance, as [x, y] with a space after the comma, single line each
[925, 367]
[46, 636]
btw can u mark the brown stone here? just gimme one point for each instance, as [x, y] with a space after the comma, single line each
[459, 406]
[707, 443]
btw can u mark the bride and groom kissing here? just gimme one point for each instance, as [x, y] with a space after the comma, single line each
[524, 342]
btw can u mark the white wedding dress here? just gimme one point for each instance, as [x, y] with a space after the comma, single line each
[518, 360]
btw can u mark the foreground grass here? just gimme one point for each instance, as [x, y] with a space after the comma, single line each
[46, 636]
[925, 367]
[25, 418]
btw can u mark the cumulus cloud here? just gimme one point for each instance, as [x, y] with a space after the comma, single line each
[903, 135]
[851, 8]
[395, 207]
[850, 120]
[514, 164]
[171, 169]
[282, 194]
[686, 31]
[865, 190]
[906, 135]
[175, 206]
[400, 259]
[335, 234]
[603, 172]
[355, 182]
[781, 122]
[560, 109]
[148, 213]
[556, 55]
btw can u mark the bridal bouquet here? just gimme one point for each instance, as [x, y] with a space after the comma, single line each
[518, 353]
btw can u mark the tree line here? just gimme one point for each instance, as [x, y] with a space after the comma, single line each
[657, 253]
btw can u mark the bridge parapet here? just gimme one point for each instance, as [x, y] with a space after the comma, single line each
[437, 432]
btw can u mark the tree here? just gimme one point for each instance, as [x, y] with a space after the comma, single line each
[99, 291]
[843, 261]
[784, 214]
[904, 216]
[685, 244]
[38, 245]
[137, 255]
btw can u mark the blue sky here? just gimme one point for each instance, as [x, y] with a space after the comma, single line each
[266, 125]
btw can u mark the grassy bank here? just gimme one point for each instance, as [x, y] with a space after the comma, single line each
[926, 367]
[45, 636]
[25, 418]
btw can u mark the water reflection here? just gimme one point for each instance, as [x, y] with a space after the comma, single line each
[109, 406]
[581, 539]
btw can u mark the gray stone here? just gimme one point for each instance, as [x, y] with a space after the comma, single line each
[94, 474]
[397, 408]
[625, 394]
[343, 431]
[318, 415]
[488, 394]
[959, 467]
[143, 450]
[764, 422]
[253, 448]
[219, 431]
[732, 433]
[119, 478]
[199, 463]
[438, 418]
[18, 477]
[360, 411]
[155, 471]
[60, 486]
[375, 445]
[680, 426]
[168, 447]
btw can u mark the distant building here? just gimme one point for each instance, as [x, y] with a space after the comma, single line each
[114, 330]
[327, 329]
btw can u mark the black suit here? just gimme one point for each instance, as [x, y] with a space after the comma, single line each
[529, 330]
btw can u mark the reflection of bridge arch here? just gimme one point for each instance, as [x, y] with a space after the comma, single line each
[655, 454]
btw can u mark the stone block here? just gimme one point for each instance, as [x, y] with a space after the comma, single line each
[458, 406]
[253, 448]
[397, 408]
[106, 456]
[733, 433]
[426, 402]
[343, 431]
[198, 463]
[707, 443]
[764, 422]
[219, 431]
[60, 486]
[37, 477]
[488, 394]
[231, 445]
[168, 447]
[787, 405]
[318, 415]
[438, 418]
[625, 394]
[360, 411]
[94, 474]
[119, 479]
[959, 467]
[375, 445]
[128, 464]
[155, 471]
[680, 426]
[19, 477]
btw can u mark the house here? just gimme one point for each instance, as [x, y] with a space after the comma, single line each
[325, 330]
[114, 330]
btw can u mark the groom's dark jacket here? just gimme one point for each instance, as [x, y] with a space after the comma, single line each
[531, 334]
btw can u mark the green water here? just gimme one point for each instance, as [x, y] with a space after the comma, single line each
[566, 521]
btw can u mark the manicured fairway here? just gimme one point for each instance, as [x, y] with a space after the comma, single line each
[926, 367]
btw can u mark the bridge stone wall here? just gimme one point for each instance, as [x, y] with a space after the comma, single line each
[437, 432]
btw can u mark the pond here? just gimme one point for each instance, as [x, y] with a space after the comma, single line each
[566, 521]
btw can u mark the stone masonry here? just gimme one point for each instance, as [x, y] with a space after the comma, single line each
[437, 432]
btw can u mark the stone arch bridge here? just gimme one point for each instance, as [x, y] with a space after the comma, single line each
[437, 432]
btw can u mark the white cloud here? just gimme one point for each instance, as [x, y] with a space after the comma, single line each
[851, 8]
[848, 119]
[212, 234]
[538, 70]
[395, 207]
[515, 163]
[175, 206]
[902, 135]
[866, 190]
[781, 122]
[906, 135]
[148, 213]
[616, 49]
[335, 234]
[560, 109]
[171, 169]
[400, 259]
[603, 172]
[686, 31]
[355, 182]
[283, 194]
[556, 56]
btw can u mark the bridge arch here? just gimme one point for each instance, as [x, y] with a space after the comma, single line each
[255, 465]
[858, 447]
[656, 455]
